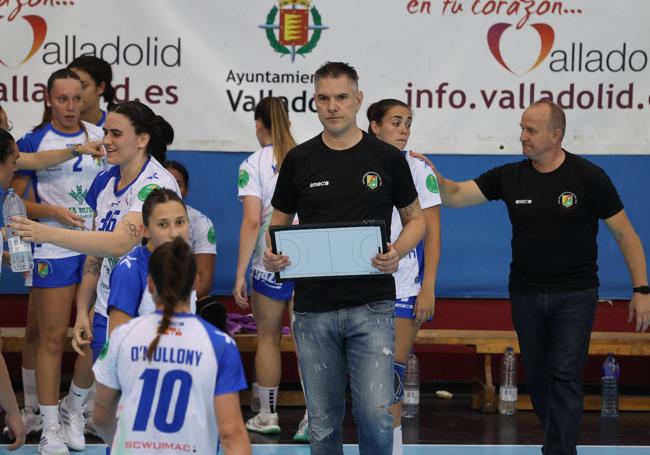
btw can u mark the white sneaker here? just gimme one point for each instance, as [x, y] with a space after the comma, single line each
[52, 442]
[302, 435]
[33, 421]
[72, 426]
[264, 423]
[89, 428]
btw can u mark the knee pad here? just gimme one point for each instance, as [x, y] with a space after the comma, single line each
[399, 370]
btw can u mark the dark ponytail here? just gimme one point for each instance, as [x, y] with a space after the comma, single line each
[63, 73]
[143, 120]
[100, 71]
[378, 110]
[172, 268]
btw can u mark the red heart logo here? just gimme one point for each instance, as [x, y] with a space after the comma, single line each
[546, 35]
[39, 30]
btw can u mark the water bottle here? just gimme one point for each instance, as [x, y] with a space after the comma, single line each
[508, 387]
[611, 372]
[411, 405]
[20, 250]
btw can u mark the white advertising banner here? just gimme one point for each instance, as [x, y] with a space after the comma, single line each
[467, 67]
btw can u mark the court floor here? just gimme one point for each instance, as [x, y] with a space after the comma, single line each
[409, 449]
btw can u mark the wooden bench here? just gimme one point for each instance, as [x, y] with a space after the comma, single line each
[482, 342]
[489, 342]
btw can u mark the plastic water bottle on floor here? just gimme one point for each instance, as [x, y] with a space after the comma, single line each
[611, 373]
[508, 387]
[20, 250]
[411, 405]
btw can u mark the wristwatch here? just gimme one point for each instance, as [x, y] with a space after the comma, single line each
[642, 289]
[74, 149]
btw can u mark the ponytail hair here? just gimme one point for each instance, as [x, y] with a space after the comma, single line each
[143, 120]
[100, 70]
[158, 196]
[63, 73]
[378, 110]
[274, 115]
[172, 268]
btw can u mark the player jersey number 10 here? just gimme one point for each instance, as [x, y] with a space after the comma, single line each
[149, 388]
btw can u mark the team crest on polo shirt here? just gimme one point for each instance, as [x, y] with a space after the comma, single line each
[567, 199]
[372, 180]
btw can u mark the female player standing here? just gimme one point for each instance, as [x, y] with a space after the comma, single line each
[269, 300]
[173, 392]
[202, 235]
[390, 120]
[135, 140]
[58, 269]
[15, 424]
[165, 218]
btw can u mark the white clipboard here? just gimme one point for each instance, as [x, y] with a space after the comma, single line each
[337, 250]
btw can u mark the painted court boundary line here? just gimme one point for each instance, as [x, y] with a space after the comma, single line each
[409, 449]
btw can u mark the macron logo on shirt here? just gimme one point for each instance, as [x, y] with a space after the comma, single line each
[127, 260]
[319, 184]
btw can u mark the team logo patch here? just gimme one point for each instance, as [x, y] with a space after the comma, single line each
[104, 351]
[146, 191]
[567, 199]
[432, 184]
[372, 180]
[294, 28]
[243, 178]
[212, 238]
[43, 268]
[78, 194]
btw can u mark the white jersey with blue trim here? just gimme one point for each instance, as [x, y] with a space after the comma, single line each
[129, 292]
[167, 403]
[408, 277]
[111, 205]
[202, 236]
[65, 184]
[257, 177]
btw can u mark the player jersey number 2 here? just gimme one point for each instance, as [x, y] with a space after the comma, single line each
[163, 420]
[109, 221]
[77, 164]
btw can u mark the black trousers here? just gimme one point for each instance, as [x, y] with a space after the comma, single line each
[554, 332]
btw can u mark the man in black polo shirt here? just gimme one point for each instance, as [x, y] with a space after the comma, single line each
[554, 201]
[345, 326]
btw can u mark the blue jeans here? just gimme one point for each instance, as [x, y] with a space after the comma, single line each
[554, 332]
[356, 341]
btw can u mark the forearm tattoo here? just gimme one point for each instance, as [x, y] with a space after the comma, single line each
[409, 210]
[133, 231]
[92, 266]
